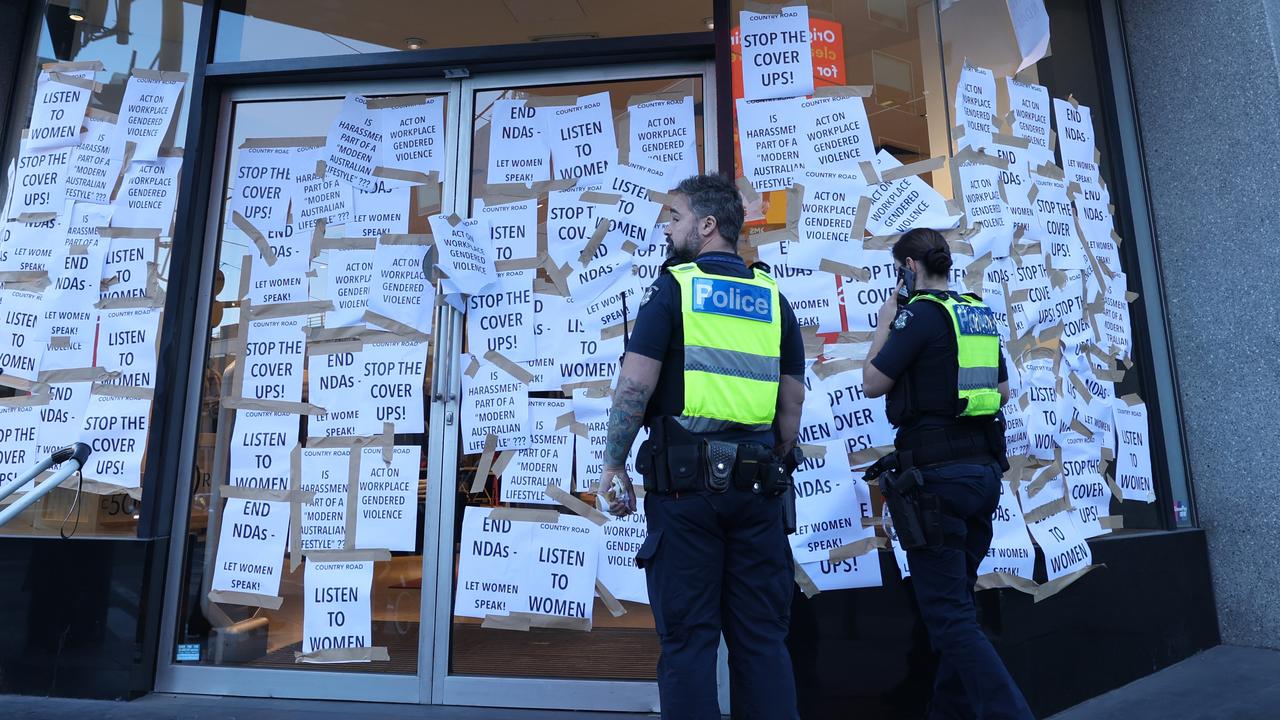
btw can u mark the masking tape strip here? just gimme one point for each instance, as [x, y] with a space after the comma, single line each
[749, 194]
[1010, 140]
[388, 442]
[485, 465]
[825, 370]
[259, 240]
[915, 168]
[278, 406]
[1053, 587]
[354, 457]
[506, 622]
[597, 237]
[812, 343]
[843, 91]
[868, 170]
[1042, 478]
[126, 302]
[805, 582]
[610, 602]
[538, 101]
[124, 391]
[70, 375]
[662, 198]
[247, 493]
[515, 514]
[1049, 509]
[24, 276]
[773, 236]
[28, 218]
[276, 311]
[814, 451]
[600, 198]
[559, 495]
[167, 76]
[1080, 428]
[838, 268]
[588, 385]
[129, 233]
[859, 229]
[283, 142]
[879, 242]
[500, 464]
[1050, 171]
[991, 581]
[532, 263]
[664, 97]
[617, 330]
[1111, 522]
[472, 367]
[345, 243]
[348, 441]
[333, 347]
[496, 358]
[395, 326]
[394, 101]
[415, 177]
[555, 622]
[374, 554]
[969, 156]
[406, 239]
[565, 420]
[233, 597]
[295, 506]
[857, 548]
[94, 65]
[371, 654]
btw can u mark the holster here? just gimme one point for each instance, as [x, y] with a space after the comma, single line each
[915, 513]
[672, 459]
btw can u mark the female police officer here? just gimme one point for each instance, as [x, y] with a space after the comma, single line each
[936, 354]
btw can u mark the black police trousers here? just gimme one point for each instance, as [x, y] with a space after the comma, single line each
[720, 562]
[971, 681]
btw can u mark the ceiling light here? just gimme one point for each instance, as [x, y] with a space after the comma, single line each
[75, 10]
[414, 43]
[710, 23]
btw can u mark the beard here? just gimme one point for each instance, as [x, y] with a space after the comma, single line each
[687, 254]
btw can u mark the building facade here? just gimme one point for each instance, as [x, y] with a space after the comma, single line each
[313, 490]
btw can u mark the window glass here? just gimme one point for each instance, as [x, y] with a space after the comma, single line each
[267, 29]
[120, 185]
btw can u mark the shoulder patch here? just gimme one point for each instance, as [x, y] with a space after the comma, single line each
[648, 293]
[904, 317]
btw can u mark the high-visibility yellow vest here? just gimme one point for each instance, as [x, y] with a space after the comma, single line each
[732, 349]
[978, 353]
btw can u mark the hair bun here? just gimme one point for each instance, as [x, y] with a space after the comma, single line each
[937, 260]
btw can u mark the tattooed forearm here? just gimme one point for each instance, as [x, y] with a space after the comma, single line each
[625, 418]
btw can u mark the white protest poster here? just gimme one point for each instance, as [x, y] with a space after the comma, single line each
[994, 280]
[1065, 548]
[116, 429]
[518, 152]
[391, 375]
[316, 198]
[413, 135]
[620, 540]
[559, 575]
[286, 280]
[630, 221]
[1087, 490]
[39, 186]
[975, 106]
[23, 334]
[830, 506]
[251, 547]
[859, 420]
[863, 298]
[634, 180]
[1016, 441]
[326, 472]
[776, 59]
[68, 306]
[1133, 470]
[1029, 104]
[1075, 142]
[836, 133]
[402, 293]
[1031, 29]
[350, 279]
[662, 135]
[493, 403]
[811, 293]
[148, 194]
[501, 319]
[1097, 226]
[97, 161]
[337, 614]
[59, 107]
[547, 460]
[513, 228]
[332, 384]
[127, 343]
[261, 187]
[855, 572]
[768, 133]
[1056, 218]
[1011, 551]
[583, 142]
[1040, 390]
[648, 258]
[900, 205]
[354, 144]
[980, 188]
[817, 424]
[1029, 274]
[1116, 329]
[19, 442]
[150, 100]
[1015, 179]
[569, 349]
[381, 209]
[570, 223]
[57, 424]
[273, 357]
[491, 560]
[825, 226]
[260, 448]
[387, 499]
[463, 253]
[592, 410]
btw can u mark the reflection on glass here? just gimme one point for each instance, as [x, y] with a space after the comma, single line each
[227, 633]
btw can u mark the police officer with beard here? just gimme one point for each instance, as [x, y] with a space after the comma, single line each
[715, 369]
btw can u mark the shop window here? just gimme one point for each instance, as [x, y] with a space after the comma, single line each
[120, 179]
[272, 29]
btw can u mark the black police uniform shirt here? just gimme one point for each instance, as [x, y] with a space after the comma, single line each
[659, 334]
[920, 356]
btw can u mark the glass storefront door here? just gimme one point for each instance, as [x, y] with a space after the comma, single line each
[315, 455]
